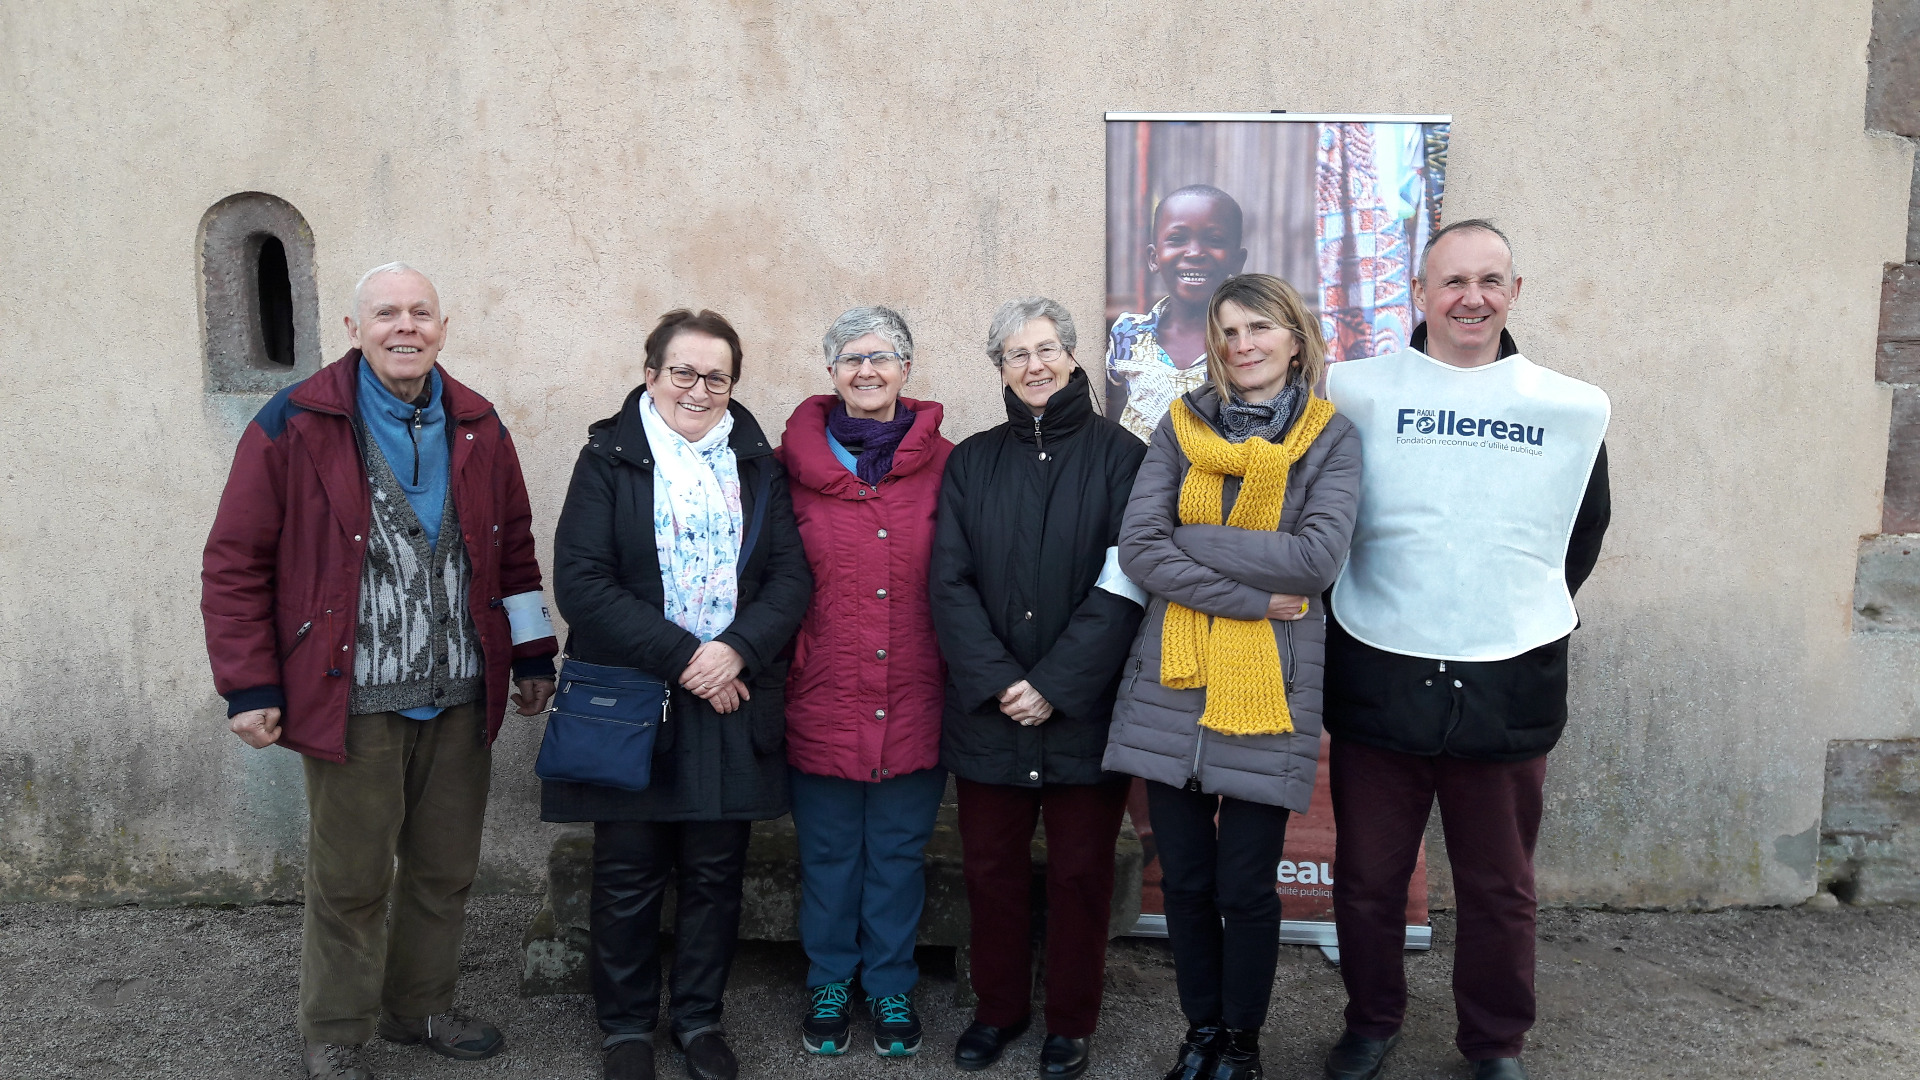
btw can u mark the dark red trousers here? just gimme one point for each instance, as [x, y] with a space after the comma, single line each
[1491, 814]
[996, 837]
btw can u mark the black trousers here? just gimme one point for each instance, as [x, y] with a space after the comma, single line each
[1223, 916]
[631, 861]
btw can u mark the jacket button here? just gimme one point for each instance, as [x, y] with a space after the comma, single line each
[356, 538]
[863, 491]
[885, 772]
[880, 654]
[881, 593]
[1429, 682]
[879, 714]
[883, 534]
[1456, 682]
[1034, 775]
[876, 774]
[343, 648]
[469, 436]
[1029, 615]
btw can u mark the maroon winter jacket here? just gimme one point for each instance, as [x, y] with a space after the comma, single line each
[280, 578]
[865, 691]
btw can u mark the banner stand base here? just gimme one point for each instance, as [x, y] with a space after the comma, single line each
[1295, 932]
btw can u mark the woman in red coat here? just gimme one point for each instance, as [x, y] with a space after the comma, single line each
[865, 691]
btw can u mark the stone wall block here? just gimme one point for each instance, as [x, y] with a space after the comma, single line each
[1886, 585]
[1893, 68]
[1900, 500]
[1898, 360]
[1870, 821]
[1913, 212]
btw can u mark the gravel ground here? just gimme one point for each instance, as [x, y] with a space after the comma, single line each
[196, 992]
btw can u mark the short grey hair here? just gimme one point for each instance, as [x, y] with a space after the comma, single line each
[384, 268]
[855, 323]
[1015, 314]
[1470, 224]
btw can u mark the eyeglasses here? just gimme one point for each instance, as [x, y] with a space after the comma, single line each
[1046, 354]
[717, 382]
[882, 362]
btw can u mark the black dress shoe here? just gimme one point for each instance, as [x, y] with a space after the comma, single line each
[980, 1045]
[632, 1060]
[1499, 1069]
[710, 1058]
[1062, 1058]
[1239, 1056]
[1195, 1059]
[1356, 1057]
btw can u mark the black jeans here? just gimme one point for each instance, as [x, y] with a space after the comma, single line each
[1223, 916]
[631, 860]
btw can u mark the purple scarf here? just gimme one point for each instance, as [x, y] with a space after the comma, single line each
[872, 442]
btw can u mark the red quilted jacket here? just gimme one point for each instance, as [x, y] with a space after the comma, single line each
[865, 691]
[280, 578]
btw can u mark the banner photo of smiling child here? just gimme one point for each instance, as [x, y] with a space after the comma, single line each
[1340, 207]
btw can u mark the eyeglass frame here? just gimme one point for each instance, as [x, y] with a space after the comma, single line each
[725, 388]
[860, 360]
[1006, 357]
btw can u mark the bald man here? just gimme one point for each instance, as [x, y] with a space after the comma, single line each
[369, 590]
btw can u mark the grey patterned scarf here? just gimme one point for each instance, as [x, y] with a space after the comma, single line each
[1267, 419]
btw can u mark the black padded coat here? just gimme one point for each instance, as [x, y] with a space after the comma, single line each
[606, 581]
[1027, 512]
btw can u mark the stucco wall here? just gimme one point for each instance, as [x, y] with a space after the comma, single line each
[1701, 219]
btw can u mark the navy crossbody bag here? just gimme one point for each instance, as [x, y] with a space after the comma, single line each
[605, 718]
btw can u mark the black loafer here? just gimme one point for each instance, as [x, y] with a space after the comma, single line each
[710, 1058]
[632, 1060]
[980, 1045]
[1062, 1058]
[1356, 1057]
[1499, 1069]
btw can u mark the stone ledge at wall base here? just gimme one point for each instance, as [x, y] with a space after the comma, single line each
[554, 947]
[1870, 822]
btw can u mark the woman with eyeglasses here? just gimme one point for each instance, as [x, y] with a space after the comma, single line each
[1035, 618]
[864, 693]
[677, 555]
[1239, 520]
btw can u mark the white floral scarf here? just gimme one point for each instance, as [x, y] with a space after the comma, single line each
[696, 522]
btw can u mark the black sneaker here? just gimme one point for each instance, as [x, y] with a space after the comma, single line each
[896, 1027]
[829, 1020]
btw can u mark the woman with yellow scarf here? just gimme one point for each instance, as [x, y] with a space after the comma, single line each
[1238, 522]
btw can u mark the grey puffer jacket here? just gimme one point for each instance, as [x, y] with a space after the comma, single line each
[1231, 572]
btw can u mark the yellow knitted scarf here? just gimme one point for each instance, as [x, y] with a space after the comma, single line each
[1237, 660]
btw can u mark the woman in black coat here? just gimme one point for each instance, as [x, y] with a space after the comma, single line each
[1035, 620]
[677, 554]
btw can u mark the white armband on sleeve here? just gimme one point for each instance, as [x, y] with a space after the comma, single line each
[527, 617]
[1118, 583]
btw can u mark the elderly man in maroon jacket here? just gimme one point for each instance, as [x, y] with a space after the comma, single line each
[369, 587]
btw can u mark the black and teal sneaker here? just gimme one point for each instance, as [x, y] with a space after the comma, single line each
[829, 1021]
[896, 1027]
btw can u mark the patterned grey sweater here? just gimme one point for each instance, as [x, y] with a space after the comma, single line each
[414, 642]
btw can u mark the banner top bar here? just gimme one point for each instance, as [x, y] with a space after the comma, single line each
[1282, 117]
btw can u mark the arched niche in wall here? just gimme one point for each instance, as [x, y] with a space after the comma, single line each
[259, 304]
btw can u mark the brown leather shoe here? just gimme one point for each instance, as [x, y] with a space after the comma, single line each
[335, 1061]
[450, 1034]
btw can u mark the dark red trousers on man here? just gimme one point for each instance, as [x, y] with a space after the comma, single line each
[996, 837]
[1490, 812]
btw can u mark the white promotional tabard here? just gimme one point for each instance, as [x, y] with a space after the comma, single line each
[1470, 482]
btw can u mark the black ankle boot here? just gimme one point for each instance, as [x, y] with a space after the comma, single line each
[1239, 1056]
[1195, 1059]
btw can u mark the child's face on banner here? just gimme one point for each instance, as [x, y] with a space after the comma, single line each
[1196, 246]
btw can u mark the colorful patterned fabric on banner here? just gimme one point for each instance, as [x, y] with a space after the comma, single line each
[1369, 188]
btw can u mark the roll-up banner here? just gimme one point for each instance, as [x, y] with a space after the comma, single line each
[1339, 206]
